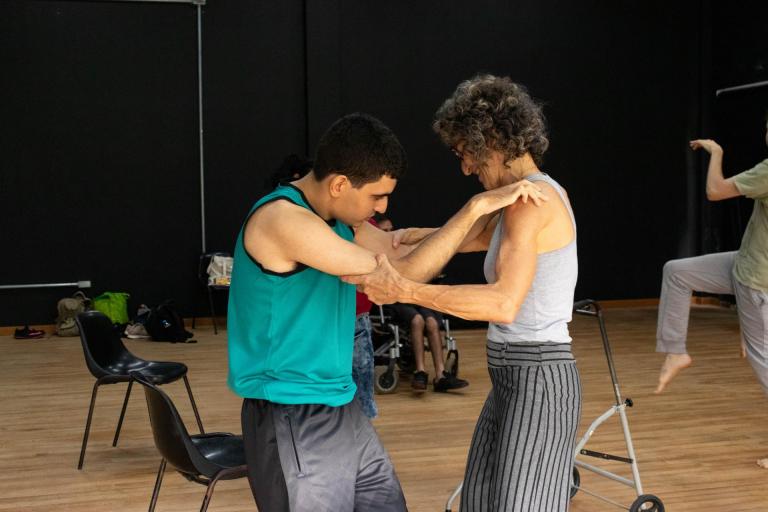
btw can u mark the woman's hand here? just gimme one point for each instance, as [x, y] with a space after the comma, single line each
[708, 145]
[382, 286]
[496, 199]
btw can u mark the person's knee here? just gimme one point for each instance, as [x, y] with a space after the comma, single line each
[417, 323]
[673, 271]
[671, 268]
[432, 326]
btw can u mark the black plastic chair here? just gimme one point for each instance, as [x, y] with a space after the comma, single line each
[110, 362]
[202, 277]
[203, 458]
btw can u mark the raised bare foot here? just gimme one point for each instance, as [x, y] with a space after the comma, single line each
[671, 367]
[763, 463]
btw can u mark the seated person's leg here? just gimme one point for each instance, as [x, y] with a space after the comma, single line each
[408, 315]
[432, 329]
[443, 381]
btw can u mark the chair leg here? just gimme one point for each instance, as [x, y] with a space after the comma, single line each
[213, 312]
[194, 405]
[209, 493]
[88, 424]
[122, 413]
[158, 482]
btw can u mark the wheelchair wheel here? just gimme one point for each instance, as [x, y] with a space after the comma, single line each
[452, 363]
[575, 482]
[647, 503]
[384, 381]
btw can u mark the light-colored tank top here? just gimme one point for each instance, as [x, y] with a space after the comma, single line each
[546, 310]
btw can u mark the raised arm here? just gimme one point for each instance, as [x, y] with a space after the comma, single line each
[281, 235]
[496, 302]
[718, 188]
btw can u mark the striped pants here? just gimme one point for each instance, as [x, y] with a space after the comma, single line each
[521, 458]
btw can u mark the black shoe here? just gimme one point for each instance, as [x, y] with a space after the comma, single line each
[26, 333]
[448, 381]
[419, 381]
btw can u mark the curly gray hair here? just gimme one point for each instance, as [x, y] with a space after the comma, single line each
[493, 113]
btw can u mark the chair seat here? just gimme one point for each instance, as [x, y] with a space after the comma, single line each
[158, 372]
[222, 449]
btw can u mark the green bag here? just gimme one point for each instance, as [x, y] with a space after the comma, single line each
[114, 305]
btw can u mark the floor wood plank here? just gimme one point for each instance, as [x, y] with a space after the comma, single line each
[696, 444]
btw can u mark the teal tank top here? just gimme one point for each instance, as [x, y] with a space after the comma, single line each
[290, 335]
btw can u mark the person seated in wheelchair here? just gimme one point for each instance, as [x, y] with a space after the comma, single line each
[418, 321]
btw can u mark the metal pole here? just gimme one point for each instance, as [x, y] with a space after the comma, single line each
[77, 284]
[753, 85]
[200, 120]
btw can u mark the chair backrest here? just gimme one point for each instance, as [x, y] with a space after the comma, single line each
[171, 437]
[102, 345]
[202, 267]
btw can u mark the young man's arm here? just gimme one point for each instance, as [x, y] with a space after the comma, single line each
[281, 235]
[497, 302]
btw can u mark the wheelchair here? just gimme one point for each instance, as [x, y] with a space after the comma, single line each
[393, 350]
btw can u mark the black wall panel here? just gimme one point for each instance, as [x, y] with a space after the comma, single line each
[100, 167]
[98, 145]
[99, 175]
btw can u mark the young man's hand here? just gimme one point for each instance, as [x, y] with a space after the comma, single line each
[497, 198]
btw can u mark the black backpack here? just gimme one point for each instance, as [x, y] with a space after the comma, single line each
[164, 323]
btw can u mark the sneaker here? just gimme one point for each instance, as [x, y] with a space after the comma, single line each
[419, 381]
[448, 381]
[26, 333]
[136, 332]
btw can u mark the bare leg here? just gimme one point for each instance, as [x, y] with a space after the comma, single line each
[435, 345]
[673, 364]
[417, 340]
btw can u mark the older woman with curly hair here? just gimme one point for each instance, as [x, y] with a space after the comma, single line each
[521, 456]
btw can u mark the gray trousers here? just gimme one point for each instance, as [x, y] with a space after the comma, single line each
[317, 458]
[712, 273]
[521, 456]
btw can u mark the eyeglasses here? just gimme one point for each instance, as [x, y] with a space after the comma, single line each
[459, 154]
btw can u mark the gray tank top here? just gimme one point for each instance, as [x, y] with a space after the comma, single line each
[546, 310]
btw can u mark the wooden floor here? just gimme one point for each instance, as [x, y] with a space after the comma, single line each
[696, 444]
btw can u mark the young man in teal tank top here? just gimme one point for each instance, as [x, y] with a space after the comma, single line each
[291, 320]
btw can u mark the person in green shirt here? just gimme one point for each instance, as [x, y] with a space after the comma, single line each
[309, 447]
[743, 273]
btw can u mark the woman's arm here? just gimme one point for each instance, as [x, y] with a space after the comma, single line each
[496, 302]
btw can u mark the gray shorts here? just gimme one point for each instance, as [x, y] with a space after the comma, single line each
[317, 458]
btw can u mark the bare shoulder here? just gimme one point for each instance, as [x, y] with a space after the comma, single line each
[276, 214]
[520, 212]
